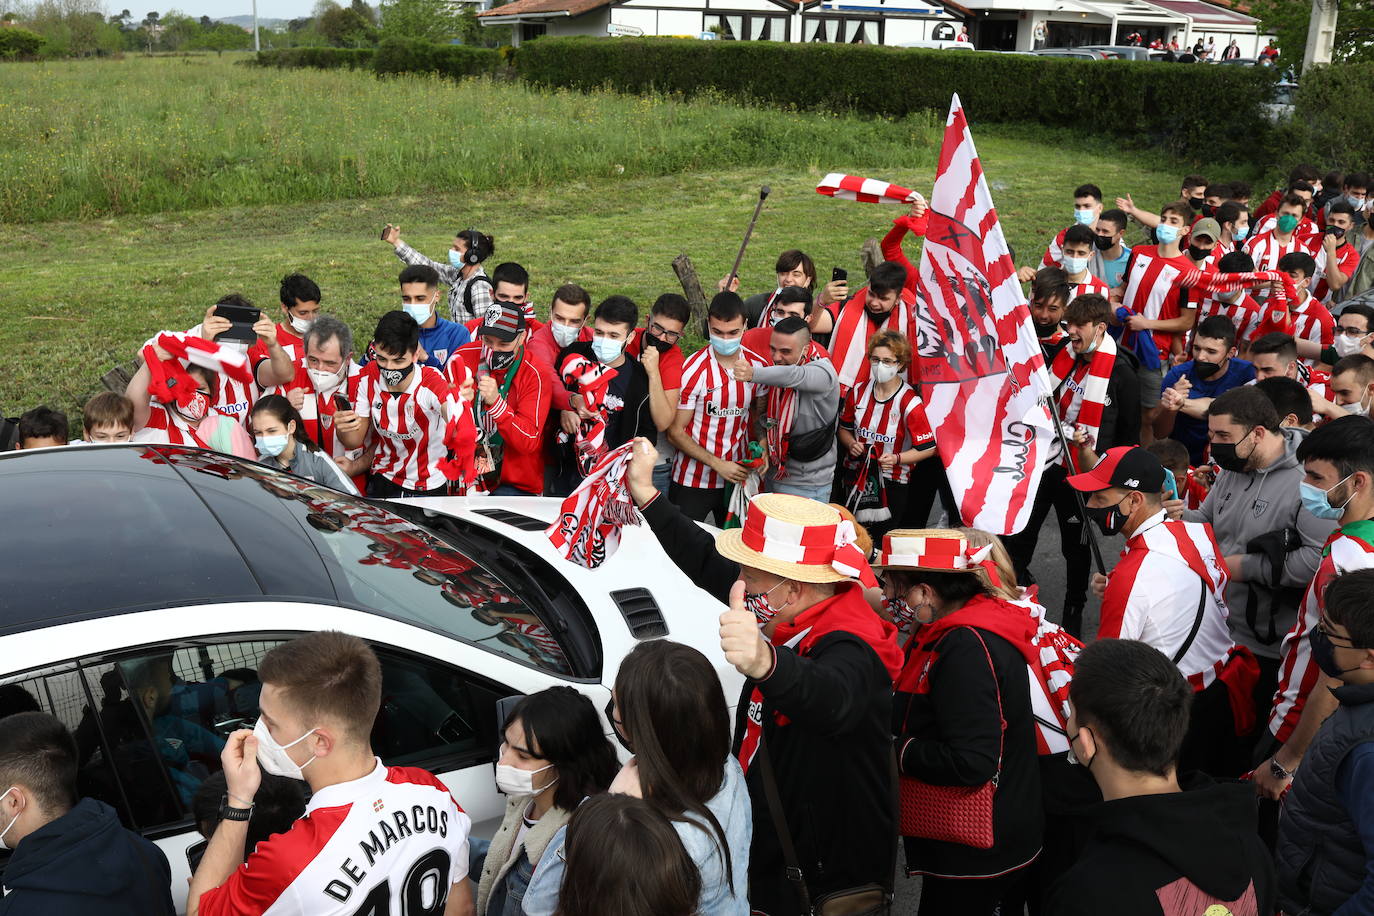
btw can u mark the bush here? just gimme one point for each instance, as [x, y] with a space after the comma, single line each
[318, 58]
[404, 55]
[1173, 106]
[19, 44]
[1333, 121]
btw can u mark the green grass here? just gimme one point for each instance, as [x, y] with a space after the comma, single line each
[77, 296]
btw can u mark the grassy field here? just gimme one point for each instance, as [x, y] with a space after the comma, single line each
[536, 170]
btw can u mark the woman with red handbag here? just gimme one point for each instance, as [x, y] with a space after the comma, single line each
[965, 735]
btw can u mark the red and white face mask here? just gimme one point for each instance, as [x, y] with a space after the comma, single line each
[761, 606]
[195, 411]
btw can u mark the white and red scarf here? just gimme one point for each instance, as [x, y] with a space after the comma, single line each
[1088, 380]
[866, 190]
[169, 381]
[853, 329]
[782, 411]
[588, 528]
[591, 380]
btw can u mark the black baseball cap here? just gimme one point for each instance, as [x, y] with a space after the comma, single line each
[503, 320]
[1128, 466]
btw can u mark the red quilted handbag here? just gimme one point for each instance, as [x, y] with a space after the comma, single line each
[954, 814]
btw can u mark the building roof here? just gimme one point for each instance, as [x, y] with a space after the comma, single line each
[536, 9]
[1207, 14]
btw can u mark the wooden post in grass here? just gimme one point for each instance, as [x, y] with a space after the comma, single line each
[691, 287]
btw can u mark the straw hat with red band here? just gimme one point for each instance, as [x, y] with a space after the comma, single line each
[797, 538]
[938, 550]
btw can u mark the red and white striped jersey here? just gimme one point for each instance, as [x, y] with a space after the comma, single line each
[393, 841]
[1313, 322]
[720, 422]
[318, 408]
[1349, 548]
[1152, 289]
[409, 426]
[1244, 313]
[1054, 251]
[1266, 250]
[894, 425]
[169, 427]
[1090, 285]
[1307, 233]
[1153, 594]
[291, 342]
[1347, 259]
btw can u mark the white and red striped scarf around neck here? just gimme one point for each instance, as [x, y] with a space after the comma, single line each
[853, 330]
[782, 411]
[1090, 377]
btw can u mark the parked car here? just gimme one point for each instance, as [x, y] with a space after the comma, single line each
[1281, 102]
[941, 43]
[1125, 52]
[135, 566]
[1080, 53]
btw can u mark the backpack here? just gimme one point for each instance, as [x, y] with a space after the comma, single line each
[467, 295]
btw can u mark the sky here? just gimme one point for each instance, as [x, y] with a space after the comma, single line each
[216, 9]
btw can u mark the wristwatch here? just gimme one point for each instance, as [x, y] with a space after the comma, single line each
[1277, 771]
[226, 813]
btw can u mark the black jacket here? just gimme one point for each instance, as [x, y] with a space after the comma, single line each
[1190, 850]
[636, 418]
[951, 735]
[833, 760]
[86, 864]
[1121, 414]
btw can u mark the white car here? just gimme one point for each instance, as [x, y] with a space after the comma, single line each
[142, 585]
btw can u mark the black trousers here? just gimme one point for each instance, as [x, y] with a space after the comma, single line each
[967, 896]
[699, 504]
[927, 481]
[379, 487]
[1054, 493]
[1210, 744]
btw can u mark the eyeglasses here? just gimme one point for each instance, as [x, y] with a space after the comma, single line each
[884, 362]
[1325, 629]
[663, 333]
[1351, 332]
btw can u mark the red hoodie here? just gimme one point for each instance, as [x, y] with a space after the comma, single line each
[519, 418]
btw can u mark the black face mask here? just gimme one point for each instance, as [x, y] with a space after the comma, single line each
[502, 360]
[658, 343]
[1108, 519]
[1224, 455]
[1103, 242]
[1196, 202]
[1209, 210]
[1199, 254]
[1205, 370]
[877, 316]
[1044, 330]
[1324, 653]
[610, 717]
[393, 378]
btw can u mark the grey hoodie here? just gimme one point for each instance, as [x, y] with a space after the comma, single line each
[1241, 506]
[818, 400]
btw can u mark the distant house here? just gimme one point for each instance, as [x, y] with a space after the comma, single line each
[889, 22]
[1001, 25]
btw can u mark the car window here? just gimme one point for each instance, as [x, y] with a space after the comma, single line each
[434, 715]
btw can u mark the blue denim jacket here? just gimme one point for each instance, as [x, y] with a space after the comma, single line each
[730, 806]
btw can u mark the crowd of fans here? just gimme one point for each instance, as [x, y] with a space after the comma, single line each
[1208, 749]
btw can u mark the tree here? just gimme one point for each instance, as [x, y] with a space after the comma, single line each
[430, 20]
[1288, 20]
[362, 9]
[345, 27]
[221, 37]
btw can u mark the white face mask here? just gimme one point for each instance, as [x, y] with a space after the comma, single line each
[327, 381]
[1075, 266]
[272, 756]
[883, 374]
[519, 783]
[238, 346]
[564, 334]
[301, 325]
[3, 844]
[1348, 346]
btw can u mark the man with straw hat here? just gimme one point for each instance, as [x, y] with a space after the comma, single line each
[815, 712]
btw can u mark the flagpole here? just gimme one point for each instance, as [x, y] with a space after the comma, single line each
[1089, 537]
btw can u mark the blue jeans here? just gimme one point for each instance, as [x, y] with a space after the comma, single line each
[820, 492]
[662, 476]
[506, 489]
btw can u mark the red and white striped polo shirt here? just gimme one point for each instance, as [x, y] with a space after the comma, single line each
[393, 841]
[1153, 594]
[1054, 251]
[318, 408]
[409, 426]
[169, 427]
[894, 425]
[1346, 551]
[1313, 322]
[1347, 259]
[1090, 285]
[1152, 289]
[1266, 250]
[720, 422]
[1244, 313]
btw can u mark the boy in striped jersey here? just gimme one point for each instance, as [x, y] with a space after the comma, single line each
[715, 415]
[1338, 483]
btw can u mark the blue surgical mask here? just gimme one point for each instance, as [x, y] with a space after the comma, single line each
[725, 346]
[1356, 202]
[270, 446]
[1241, 233]
[1075, 265]
[1084, 217]
[607, 350]
[1317, 501]
[420, 311]
[456, 259]
[1166, 234]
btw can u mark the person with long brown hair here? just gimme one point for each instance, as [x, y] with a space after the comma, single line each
[625, 859]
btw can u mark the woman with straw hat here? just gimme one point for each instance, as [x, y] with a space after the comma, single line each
[962, 718]
[815, 709]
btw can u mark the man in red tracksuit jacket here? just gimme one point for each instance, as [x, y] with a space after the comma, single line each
[513, 397]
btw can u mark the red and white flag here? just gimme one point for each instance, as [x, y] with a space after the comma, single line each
[983, 374]
[867, 190]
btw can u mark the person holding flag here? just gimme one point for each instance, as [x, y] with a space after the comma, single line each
[1168, 590]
